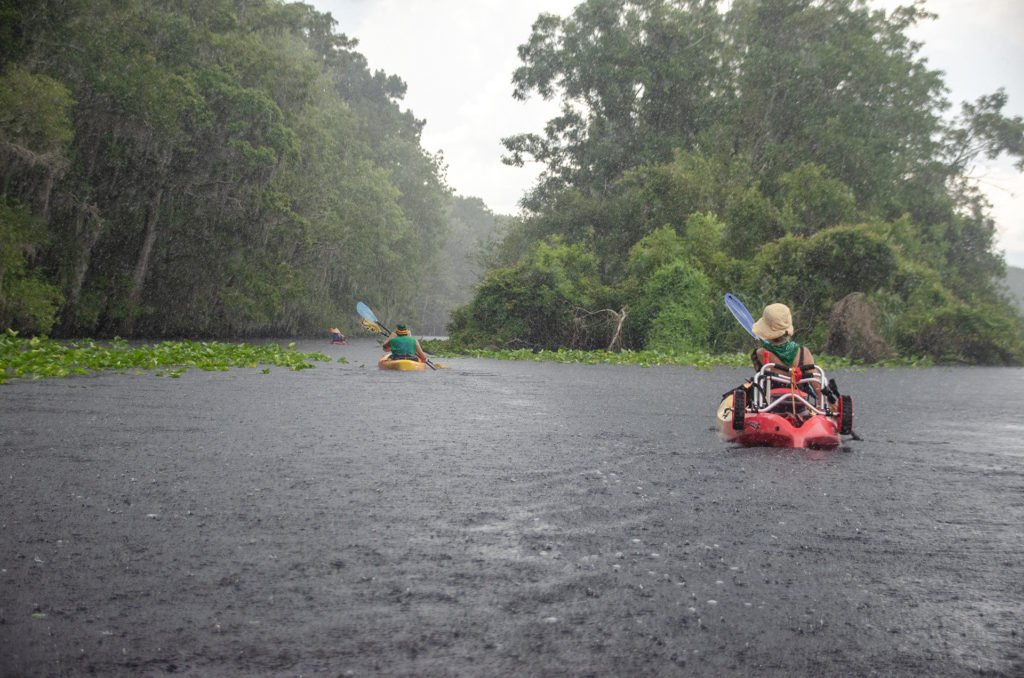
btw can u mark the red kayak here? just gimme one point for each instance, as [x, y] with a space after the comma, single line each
[783, 407]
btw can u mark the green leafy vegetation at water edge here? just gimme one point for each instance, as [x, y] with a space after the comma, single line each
[645, 358]
[40, 357]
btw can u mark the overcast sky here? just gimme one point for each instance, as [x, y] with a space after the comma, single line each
[457, 59]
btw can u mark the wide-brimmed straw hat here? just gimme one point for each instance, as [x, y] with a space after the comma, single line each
[775, 322]
[401, 329]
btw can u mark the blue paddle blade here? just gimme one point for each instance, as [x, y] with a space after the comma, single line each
[364, 310]
[740, 312]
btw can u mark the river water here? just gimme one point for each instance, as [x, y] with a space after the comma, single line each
[504, 518]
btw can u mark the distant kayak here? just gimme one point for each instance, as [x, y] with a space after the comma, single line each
[386, 363]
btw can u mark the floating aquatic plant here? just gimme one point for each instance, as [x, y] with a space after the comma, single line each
[643, 358]
[563, 355]
[40, 357]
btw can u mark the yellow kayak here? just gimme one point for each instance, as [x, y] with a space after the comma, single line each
[386, 363]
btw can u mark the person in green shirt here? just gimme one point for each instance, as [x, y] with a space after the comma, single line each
[403, 346]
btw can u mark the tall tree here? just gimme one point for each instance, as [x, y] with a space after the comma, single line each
[637, 78]
[232, 168]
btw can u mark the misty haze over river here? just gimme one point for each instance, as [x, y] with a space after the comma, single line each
[504, 518]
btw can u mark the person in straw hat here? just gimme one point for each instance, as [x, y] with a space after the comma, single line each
[775, 330]
[403, 346]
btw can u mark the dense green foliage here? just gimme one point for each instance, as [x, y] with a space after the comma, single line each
[39, 357]
[534, 303]
[784, 150]
[208, 168]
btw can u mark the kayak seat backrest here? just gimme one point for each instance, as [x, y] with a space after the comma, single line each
[774, 387]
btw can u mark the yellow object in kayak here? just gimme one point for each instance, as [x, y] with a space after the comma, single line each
[386, 363]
